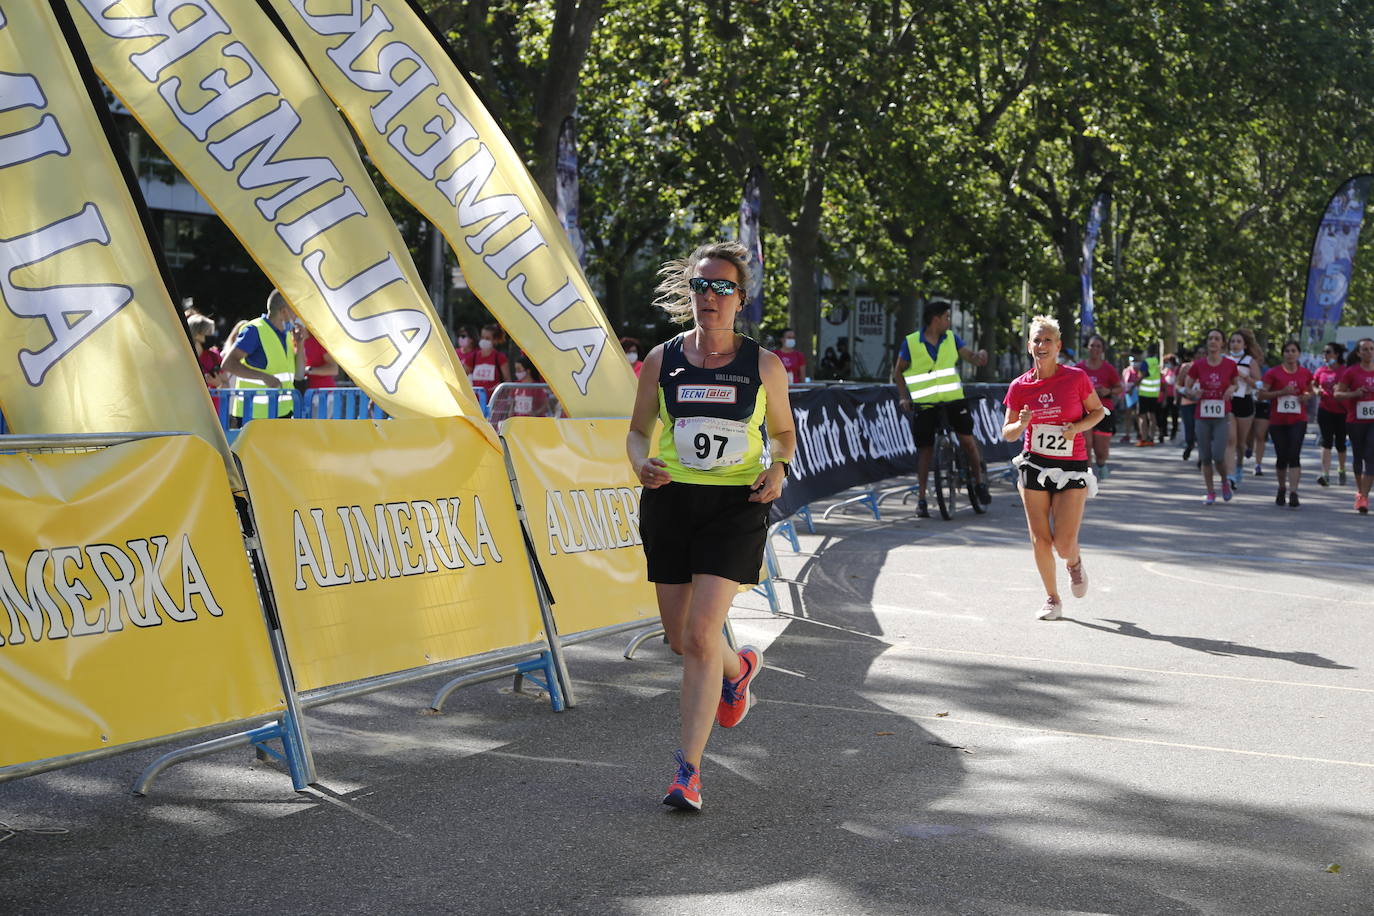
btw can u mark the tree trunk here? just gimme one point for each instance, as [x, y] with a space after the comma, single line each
[574, 22]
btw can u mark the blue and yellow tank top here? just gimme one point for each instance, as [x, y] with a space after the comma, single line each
[711, 418]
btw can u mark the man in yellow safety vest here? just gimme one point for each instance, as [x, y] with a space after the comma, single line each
[926, 374]
[266, 354]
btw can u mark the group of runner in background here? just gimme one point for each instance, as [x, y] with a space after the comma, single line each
[1229, 406]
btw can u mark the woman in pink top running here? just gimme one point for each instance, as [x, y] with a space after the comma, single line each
[1050, 408]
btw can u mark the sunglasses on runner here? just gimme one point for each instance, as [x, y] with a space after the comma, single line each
[700, 285]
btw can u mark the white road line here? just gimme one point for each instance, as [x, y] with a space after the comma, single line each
[1218, 583]
[1092, 735]
[1064, 661]
[1159, 551]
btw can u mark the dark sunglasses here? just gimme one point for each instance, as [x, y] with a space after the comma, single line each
[700, 285]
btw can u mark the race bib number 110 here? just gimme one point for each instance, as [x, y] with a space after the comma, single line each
[1211, 409]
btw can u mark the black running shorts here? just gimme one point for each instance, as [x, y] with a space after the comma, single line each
[1031, 480]
[691, 528]
[926, 420]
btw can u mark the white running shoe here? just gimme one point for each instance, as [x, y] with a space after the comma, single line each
[1053, 609]
[1078, 579]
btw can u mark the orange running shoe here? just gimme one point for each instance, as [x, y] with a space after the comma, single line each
[735, 698]
[1362, 504]
[684, 793]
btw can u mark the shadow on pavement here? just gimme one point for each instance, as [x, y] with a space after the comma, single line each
[1222, 647]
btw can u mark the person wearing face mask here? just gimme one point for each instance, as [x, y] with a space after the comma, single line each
[792, 360]
[489, 365]
[466, 349]
[1356, 391]
[267, 354]
[1331, 412]
[631, 347]
[531, 401]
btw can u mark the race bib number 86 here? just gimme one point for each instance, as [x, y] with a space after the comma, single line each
[1364, 410]
[710, 442]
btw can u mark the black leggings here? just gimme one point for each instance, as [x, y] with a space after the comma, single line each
[1287, 438]
[1362, 444]
[1332, 425]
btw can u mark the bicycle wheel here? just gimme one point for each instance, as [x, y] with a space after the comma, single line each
[946, 480]
[970, 485]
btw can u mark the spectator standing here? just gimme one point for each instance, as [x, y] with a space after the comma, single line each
[266, 354]
[792, 360]
[209, 357]
[489, 366]
[466, 349]
[320, 369]
[631, 347]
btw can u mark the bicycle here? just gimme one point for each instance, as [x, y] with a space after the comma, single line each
[952, 470]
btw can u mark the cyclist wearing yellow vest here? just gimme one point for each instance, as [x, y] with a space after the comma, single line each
[926, 374]
[266, 354]
[1147, 420]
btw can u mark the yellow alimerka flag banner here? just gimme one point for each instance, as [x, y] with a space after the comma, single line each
[89, 338]
[582, 504]
[390, 545]
[127, 610]
[427, 131]
[220, 90]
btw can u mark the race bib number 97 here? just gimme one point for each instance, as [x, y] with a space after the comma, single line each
[1211, 409]
[710, 442]
[1052, 441]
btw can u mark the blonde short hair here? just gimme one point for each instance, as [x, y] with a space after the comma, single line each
[674, 296]
[1045, 321]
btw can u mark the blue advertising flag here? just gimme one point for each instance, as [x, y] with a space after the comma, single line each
[1333, 259]
[565, 177]
[1096, 215]
[751, 237]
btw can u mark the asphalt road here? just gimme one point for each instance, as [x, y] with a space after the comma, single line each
[1196, 736]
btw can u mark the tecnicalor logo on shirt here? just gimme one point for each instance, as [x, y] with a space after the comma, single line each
[707, 394]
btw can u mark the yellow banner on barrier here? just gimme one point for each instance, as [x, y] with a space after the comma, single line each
[89, 338]
[218, 88]
[431, 136]
[582, 503]
[391, 544]
[127, 609]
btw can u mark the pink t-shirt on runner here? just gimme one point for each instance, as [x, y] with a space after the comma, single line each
[1213, 380]
[1290, 409]
[1327, 377]
[1054, 402]
[1357, 377]
[1104, 376]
